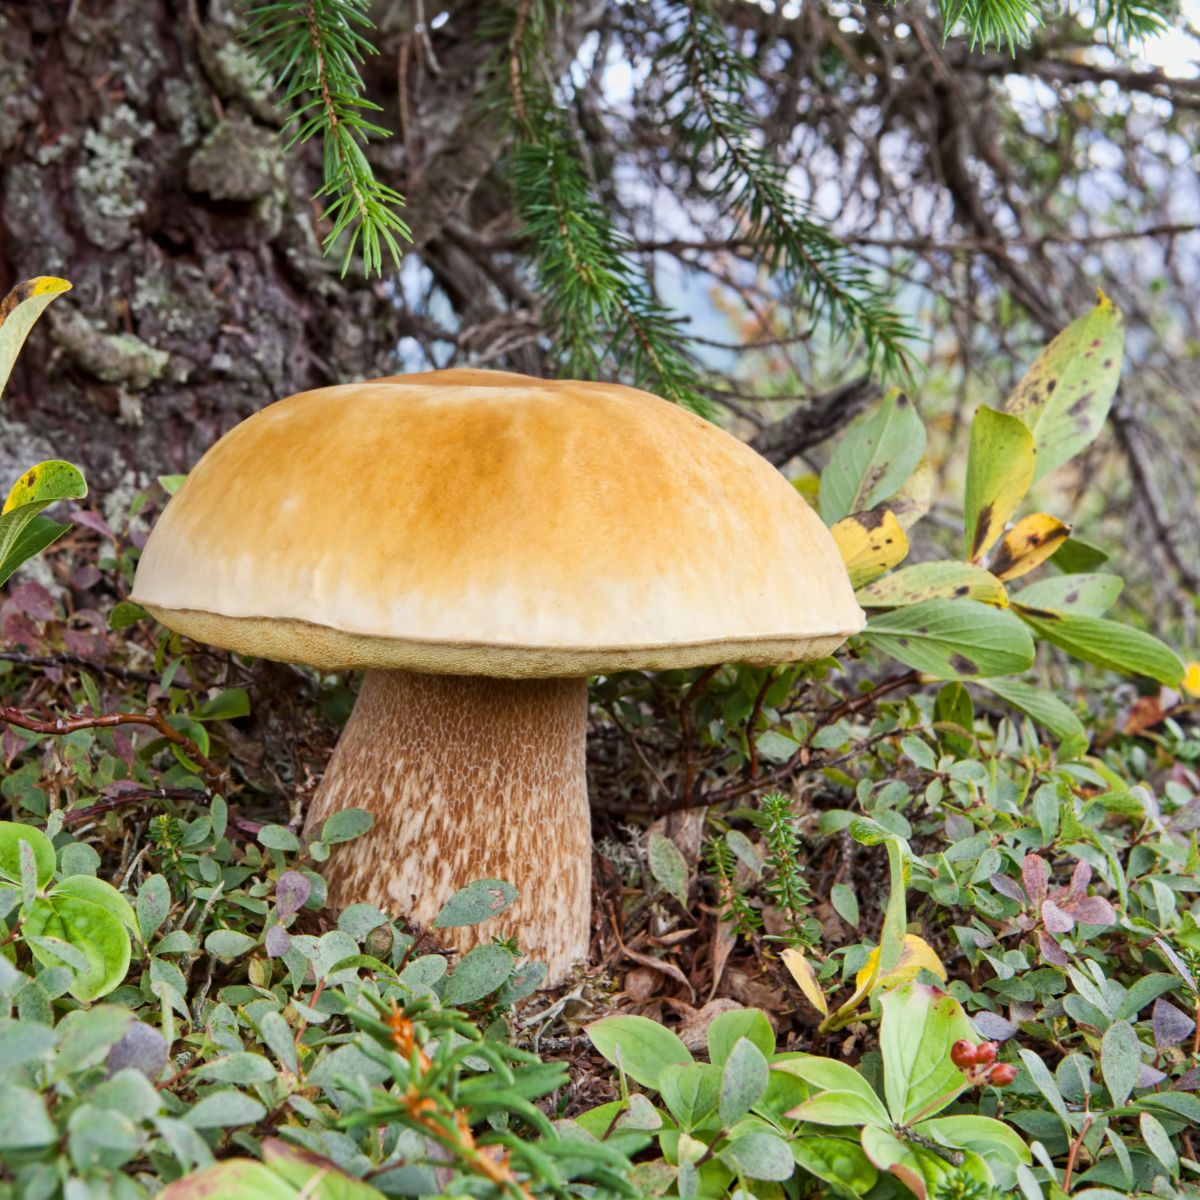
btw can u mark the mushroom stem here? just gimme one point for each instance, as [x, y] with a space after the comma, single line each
[467, 778]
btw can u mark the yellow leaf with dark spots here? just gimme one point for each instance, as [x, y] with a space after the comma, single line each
[1027, 545]
[802, 972]
[18, 312]
[870, 544]
[931, 581]
[915, 498]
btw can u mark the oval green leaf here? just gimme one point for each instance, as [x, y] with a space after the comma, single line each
[952, 639]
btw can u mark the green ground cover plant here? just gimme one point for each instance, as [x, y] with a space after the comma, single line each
[865, 932]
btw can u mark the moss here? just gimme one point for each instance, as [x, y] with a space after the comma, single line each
[118, 358]
[239, 160]
[108, 185]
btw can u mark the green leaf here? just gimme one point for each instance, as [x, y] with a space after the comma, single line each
[95, 891]
[124, 614]
[153, 904]
[985, 1135]
[224, 1109]
[832, 1076]
[1088, 595]
[931, 581]
[919, 1026]
[241, 1068]
[727, 1028]
[761, 1155]
[950, 639]
[101, 1140]
[1120, 1060]
[836, 1161]
[845, 903]
[38, 534]
[1065, 395]
[19, 311]
[38, 487]
[690, 1091]
[12, 834]
[1045, 1083]
[920, 1171]
[1043, 706]
[481, 971]
[230, 704]
[92, 930]
[24, 1122]
[838, 1108]
[638, 1046]
[478, 901]
[668, 866]
[1106, 643]
[1159, 1143]
[1000, 466]
[23, 1041]
[86, 1036]
[278, 837]
[1075, 556]
[873, 459]
[171, 483]
[743, 1081]
[228, 943]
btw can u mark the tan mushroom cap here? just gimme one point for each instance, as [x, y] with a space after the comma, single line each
[486, 523]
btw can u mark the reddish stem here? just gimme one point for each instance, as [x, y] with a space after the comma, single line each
[151, 717]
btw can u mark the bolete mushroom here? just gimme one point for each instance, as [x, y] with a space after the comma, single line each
[482, 542]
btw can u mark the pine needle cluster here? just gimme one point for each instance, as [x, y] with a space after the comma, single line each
[311, 50]
[598, 297]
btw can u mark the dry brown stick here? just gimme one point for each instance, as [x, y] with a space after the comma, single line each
[151, 717]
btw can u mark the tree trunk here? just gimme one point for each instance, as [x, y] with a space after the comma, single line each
[141, 160]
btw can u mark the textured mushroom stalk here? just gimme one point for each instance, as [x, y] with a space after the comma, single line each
[467, 778]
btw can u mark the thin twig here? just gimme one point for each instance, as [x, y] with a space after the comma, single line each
[151, 717]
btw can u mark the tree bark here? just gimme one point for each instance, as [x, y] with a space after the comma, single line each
[141, 160]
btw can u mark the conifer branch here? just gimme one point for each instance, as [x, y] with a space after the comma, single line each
[311, 50]
[601, 303]
[707, 84]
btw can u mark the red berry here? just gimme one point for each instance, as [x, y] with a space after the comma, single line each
[1002, 1074]
[985, 1054]
[963, 1054]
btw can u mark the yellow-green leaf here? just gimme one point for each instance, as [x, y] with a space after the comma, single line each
[1027, 545]
[873, 459]
[18, 312]
[914, 499]
[1065, 395]
[802, 972]
[915, 954]
[870, 544]
[22, 532]
[48, 481]
[1000, 466]
[928, 581]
